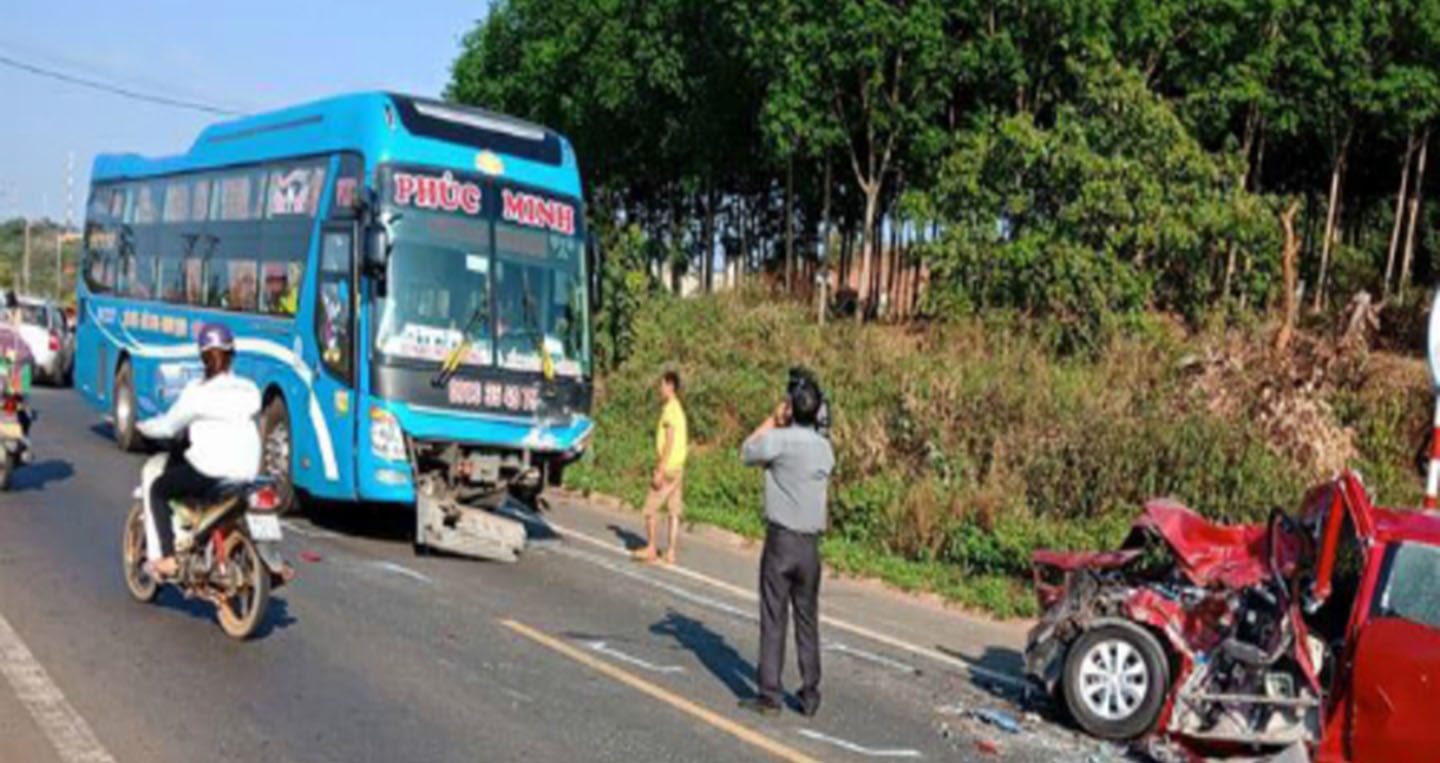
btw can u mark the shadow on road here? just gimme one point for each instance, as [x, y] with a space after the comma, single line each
[277, 617]
[1005, 661]
[35, 476]
[994, 658]
[396, 523]
[388, 522]
[632, 540]
[713, 651]
[103, 430]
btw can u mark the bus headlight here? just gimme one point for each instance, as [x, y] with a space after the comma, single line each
[387, 441]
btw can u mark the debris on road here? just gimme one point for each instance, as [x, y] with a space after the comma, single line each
[310, 557]
[986, 746]
[997, 718]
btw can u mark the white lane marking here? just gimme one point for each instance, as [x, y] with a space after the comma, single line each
[308, 530]
[68, 733]
[602, 648]
[704, 601]
[400, 569]
[934, 655]
[879, 659]
[868, 752]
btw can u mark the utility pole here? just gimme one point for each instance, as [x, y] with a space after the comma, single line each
[64, 231]
[25, 260]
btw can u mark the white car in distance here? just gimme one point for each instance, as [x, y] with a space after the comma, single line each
[45, 332]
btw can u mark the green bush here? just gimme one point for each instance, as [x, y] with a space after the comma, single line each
[961, 447]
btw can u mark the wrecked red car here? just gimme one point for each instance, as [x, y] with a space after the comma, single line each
[1321, 631]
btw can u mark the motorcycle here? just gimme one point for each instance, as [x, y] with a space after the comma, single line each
[227, 544]
[14, 445]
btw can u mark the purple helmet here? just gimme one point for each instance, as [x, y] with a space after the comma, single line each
[215, 336]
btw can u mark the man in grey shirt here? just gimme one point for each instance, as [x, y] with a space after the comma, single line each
[798, 462]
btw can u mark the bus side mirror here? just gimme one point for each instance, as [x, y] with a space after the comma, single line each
[376, 253]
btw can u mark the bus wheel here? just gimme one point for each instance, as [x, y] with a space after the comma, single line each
[276, 451]
[126, 435]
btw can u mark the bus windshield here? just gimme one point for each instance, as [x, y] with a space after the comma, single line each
[439, 280]
[539, 300]
[518, 291]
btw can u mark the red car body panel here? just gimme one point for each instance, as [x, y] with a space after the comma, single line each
[1383, 701]
[1209, 554]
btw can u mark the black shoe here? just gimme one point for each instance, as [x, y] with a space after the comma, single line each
[809, 704]
[761, 705]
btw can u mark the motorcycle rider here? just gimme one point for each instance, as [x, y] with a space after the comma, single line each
[219, 411]
[21, 363]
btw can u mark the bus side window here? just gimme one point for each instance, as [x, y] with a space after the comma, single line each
[292, 203]
[333, 308]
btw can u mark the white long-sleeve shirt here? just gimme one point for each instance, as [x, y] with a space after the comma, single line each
[220, 414]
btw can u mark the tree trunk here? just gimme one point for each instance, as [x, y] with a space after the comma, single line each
[744, 240]
[790, 224]
[867, 246]
[1416, 199]
[825, 226]
[707, 243]
[892, 276]
[1288, 255]
[676, 245]
[1229, 272]
[1399, 215]
[1331, 222]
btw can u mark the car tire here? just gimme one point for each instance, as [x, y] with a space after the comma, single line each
[123, 410]
[1116, 680]
[277, 452]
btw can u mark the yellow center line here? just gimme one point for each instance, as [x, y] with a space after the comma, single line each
[676, 701]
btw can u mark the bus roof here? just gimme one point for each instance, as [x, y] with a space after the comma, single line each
[382, 127]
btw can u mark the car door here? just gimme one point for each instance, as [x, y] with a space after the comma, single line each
[1396, 676]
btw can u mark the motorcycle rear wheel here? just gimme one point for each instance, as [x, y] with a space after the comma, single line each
[132, 554]
[241, 614]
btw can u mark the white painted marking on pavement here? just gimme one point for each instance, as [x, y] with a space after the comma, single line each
[857, 749]
[400, 569]
[859, 630]
[308, 530]
[704, 601]
[600, 646]
[68, 733]
[879, 659]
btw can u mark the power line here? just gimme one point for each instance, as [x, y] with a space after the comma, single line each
[116, 89]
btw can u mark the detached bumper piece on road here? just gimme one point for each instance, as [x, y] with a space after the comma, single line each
[447, 525]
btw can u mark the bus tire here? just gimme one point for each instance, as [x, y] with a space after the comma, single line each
[123, 410]
[277, 449]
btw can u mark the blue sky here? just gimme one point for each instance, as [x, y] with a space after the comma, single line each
[245, 56]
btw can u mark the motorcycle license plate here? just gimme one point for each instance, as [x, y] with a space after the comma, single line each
[263, 527]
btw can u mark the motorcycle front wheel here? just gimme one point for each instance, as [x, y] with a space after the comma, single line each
[242, 610]
[132, 553]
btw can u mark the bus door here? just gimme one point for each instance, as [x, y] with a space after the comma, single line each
[336, 342]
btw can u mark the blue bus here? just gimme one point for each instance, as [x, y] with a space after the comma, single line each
[408, 281]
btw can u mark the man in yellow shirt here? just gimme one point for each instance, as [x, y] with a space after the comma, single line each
[672, 442]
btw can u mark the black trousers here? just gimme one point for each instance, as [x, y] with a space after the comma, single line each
[790, 579]
[178, 482]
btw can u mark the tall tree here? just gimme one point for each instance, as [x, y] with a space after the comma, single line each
[861, 74]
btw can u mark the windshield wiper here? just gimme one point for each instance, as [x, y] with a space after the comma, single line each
[450, 365]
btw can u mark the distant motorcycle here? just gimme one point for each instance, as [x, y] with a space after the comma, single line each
[13, 442]
[227, 545]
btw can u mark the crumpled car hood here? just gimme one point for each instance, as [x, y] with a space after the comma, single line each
[1208, 554]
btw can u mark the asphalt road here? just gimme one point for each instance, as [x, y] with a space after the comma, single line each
[375, 654]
